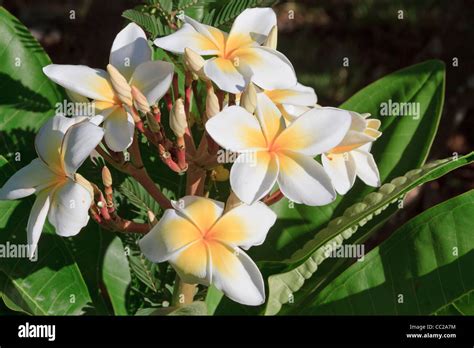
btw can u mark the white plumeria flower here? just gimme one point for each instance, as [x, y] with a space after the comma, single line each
[239, 56]
[294, 101]
[278, 154]
[204, 245]
[352, 156]
[62, 145]
[131, 56]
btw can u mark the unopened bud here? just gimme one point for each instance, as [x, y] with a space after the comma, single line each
[248, 99]
[178, 122]
[152, 122]
[220, 173]
[194, 62]
[106, 177]
[78, 178]
[151, 217]
[212, 103]
[120, 85]
[141, 103]
[272, 38]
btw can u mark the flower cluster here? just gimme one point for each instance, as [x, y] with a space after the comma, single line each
[253, 106]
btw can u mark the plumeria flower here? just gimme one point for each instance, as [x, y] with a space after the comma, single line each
[130, 61]
[279, 155]
[294, 101]
[62, 195]
[352, 157]
[238, 57]
[203, 245]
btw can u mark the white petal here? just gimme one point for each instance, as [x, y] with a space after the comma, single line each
[315, 132]
[291, 112]
[235, 129]
[187, 37]
[267, 68]
[28, 180]
[91, 83]
[366, 168]
[253, 175]
[170, 236]
[50, 138]
[269, 117]
[69, 211]
[79, 141]
[235, 274]
[36, 220]
[129, 50]
[153, 79]
[303, 180]
[225, 75]
[244, 226]
[255, 22]
[193, 263]
[214, 35]
[119, 128]
[341, 169]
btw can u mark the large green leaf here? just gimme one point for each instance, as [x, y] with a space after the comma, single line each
[404, 145]
[116, 275]
[297, 273]
[359, 220]
[425, 267]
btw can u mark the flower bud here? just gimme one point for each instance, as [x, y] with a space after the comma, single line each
[120, 85]
[106, 177]
[152, 122]
[272, 38]
[178, 122]
[194, 62]
[141, 103]
[248, 99]
[212, 103]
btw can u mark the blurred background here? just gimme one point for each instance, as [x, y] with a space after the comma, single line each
[316, 36]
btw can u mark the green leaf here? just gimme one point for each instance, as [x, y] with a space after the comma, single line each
[425, 266]
[356, 220]
[138, 196]
[404, 145]
[116, 275]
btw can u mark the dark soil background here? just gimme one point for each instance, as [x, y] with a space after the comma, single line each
[316, 40]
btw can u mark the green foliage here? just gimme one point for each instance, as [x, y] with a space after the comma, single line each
[357, 219]
[404, 145]
[425, 267]
[116, 275]
[151, 24]
[158, 17]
